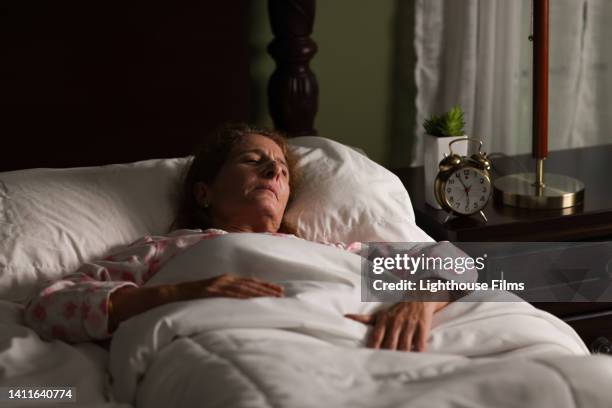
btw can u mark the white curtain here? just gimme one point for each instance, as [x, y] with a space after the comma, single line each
[476, 54]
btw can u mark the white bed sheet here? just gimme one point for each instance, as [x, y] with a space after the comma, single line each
[28, 361]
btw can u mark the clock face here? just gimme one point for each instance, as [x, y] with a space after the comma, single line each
[467, 190]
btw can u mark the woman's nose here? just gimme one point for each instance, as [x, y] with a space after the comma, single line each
[273, 169]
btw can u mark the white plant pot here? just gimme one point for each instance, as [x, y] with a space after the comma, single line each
[434, 149]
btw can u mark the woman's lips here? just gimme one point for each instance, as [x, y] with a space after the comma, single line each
[270, 189]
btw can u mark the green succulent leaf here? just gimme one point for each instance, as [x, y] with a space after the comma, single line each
[450, 123]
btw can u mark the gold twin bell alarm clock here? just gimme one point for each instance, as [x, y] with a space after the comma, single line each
[463, 184]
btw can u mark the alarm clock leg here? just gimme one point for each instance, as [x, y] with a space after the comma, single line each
[483, 216]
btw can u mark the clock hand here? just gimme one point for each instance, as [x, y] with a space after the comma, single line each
[467, 190]
[462, 183]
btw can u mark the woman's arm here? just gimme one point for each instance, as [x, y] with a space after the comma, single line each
[75, 307]
[130, 301]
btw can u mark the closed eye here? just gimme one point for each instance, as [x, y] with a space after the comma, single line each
[257, 160]
[252, 159]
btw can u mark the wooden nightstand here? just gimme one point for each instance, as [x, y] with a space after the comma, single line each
[590, 221]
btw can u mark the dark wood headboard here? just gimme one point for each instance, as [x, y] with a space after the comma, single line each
[85, 83]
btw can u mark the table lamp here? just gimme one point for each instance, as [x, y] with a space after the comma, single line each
[539, 190]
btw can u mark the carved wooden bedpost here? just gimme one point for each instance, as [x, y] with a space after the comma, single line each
[293, 91]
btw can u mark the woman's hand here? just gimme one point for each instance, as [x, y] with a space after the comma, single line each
[230, 286]
[403, 326]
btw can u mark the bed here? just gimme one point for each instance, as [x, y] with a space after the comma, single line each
[100, 136]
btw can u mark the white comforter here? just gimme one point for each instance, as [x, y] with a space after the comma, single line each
[299, 351]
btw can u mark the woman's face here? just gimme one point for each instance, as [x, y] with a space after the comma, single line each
[251, 191]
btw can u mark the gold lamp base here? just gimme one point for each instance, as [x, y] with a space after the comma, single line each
[522, 190]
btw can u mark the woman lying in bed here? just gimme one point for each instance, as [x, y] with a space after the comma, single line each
[240, 181]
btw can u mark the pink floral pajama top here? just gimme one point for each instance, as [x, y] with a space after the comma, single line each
[75, 308]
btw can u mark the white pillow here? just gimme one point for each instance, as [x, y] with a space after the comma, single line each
[52, 220]
[346, 197]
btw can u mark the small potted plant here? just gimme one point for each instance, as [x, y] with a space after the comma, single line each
[440, 130]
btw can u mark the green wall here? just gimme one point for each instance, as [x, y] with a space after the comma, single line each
[353, 67]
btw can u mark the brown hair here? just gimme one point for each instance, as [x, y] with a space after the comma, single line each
[207, 162]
